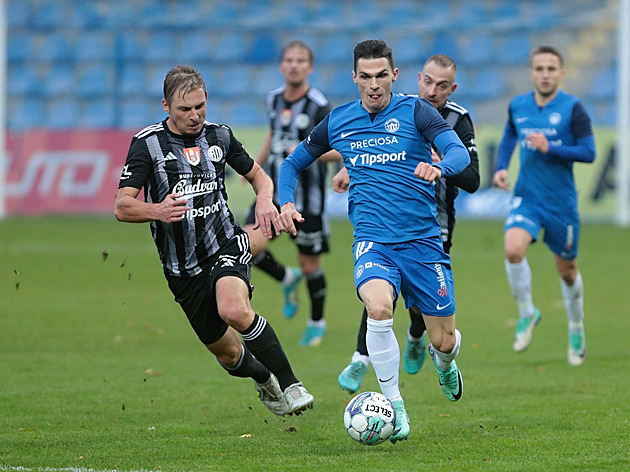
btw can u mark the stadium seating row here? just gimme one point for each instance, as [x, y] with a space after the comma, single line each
[102, 63]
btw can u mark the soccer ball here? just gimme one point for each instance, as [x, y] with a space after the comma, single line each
[369, 418]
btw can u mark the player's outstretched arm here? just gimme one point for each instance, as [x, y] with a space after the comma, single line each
[266, 212]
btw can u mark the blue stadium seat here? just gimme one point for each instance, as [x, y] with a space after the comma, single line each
[508, 11]
[471, 13]
[160, 47]
[603, 85]
[62, 113]
[135, 114]
[229, 47]
[99, 113]
[128, 47]
[487, 83]
[477, 49]
[245, 112]
[25, 113]
[194, 47]
[340, 87]
[131, 79]
[23, 80]
[18, 15]
[234, 80]
[54, 47]
[85, 15]
[446, 44]
[336, 48]
[154, 86]
[410, 48]
[59, 81]
[267, 79]
[95, 46]
[20, 47]
[263, 49]
[94, 80]
[515, 48]
[49, 15]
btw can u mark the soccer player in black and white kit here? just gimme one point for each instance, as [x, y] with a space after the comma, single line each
[294, 109]
[436, 83]
[180, 162]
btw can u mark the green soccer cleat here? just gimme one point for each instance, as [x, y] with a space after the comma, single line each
[451, 381]
[524, 331]
[290, 293]
[577, 348]
[351, 377]
[402, 429]
[313, 335]
[415, 354]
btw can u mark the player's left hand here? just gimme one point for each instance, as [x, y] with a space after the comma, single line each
[285, 221]
[538, 141]
[266, 216]
[427, 172]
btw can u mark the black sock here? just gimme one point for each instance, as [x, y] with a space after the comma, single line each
[248, 366]
[263, 343]
[361, 344]
[316, 283]
[265, 262]
[417, 327]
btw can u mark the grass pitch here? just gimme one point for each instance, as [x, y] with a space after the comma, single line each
[100, 370]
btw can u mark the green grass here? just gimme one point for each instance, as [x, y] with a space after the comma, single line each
[100, 370]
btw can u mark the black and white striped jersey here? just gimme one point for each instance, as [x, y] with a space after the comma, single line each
[291, 122]
[162, 163]
[446, 190]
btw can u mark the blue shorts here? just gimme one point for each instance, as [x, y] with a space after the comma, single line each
[562, 228]
[418, 270]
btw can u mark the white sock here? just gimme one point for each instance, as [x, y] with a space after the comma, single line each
[385, 356]
[442, 359]
[520, 279]
[319, 323]
[288, 276]
[358, 357]
[574, 302]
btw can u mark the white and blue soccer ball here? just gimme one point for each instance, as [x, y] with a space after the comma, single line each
[369, 418]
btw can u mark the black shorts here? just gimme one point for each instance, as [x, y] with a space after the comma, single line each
[312, 234]
[196, 295]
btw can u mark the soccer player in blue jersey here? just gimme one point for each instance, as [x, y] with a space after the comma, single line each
[385, 141]
[553, 130]
[436, 83]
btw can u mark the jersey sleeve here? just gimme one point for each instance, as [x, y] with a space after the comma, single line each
[468, 179]
[428, 120]
[507, 144]
[137, 165]
[237, 157]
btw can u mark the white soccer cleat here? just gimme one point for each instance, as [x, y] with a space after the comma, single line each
[297, 398]
[272, 397]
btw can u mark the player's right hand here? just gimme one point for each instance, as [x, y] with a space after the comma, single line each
[341, 181]
[285, 221]
[173, 208]
[499, 179]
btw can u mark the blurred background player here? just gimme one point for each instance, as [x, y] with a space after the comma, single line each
[436, 84]
[553, 130]
[294, 109]
[205, 254]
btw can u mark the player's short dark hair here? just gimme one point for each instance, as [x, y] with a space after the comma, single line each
[373, 49]
[546, 50]
[443, 61]
[182, 78]
[297, 43]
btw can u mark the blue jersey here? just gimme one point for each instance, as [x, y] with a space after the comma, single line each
[547, 179]
[386, 202]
